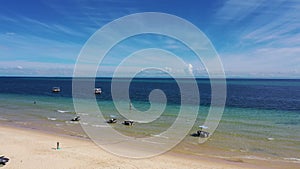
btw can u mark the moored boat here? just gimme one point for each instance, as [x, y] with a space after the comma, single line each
[97, 90]
[55, 89]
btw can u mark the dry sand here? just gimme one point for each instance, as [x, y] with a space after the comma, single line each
[31, 149]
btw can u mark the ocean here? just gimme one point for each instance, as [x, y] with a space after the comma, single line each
[261, 119]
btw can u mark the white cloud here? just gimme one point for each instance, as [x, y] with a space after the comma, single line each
[168, 69]
[34, 68]
[190, 68]
[10, 33]
[237, 9]
[19, 67]
[268, 45]
[35, 48]
[277, 28]
[51, 27]
[7, 19]
[263, 61]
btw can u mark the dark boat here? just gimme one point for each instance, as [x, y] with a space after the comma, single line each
[128, 122]
[3, 160]
[97, 91]
[77, 118]
[201, 133]
[112, 120]
[55, 89]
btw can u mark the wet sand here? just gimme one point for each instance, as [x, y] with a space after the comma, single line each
[30, 149]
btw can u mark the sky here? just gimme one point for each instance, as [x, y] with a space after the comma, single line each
[254, 39]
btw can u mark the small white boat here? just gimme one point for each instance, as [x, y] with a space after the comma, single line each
[55, 89]
[97, 90]
[201, 133]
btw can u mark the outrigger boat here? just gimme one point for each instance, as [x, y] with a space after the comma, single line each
[112, 119]
[3, 160]
[201, 133]
[128, 122]
[77, 118]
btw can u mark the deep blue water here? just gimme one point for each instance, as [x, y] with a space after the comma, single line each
[276, 94]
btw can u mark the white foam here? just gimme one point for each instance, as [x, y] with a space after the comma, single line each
[3, 119]
[51, 118]
[62, 111]
[152, 142]
[72, 122]
[83, 114]
[293, 159]
[158, 135]
[243, 150]
[251, 157]
[97, 125]
[19, 122]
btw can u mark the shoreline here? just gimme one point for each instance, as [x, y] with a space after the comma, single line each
[33, 148]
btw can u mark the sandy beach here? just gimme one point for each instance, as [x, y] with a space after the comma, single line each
[30, 149]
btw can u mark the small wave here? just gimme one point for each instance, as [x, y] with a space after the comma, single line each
[240, 158]
[62, 111]
[153, 142]
[22, 123]
[251, 157]
[97, 125]
[72, 122]
[293, 159]
[51, 118]
[158, 135]
[243, 150]
[3, 119]
[83, 114]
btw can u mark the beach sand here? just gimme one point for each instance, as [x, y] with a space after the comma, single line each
[33, 149]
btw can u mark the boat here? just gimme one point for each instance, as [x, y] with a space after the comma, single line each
[77, 118]
[128, 122]
[55, 89]
[201, 133]
[112, 119]
[3, 160]
[97, 90]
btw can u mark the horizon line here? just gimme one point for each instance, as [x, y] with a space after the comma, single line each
[109, 77]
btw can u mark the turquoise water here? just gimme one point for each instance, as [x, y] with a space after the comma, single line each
[242, 132]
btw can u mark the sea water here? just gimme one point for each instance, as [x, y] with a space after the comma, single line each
[261, 118]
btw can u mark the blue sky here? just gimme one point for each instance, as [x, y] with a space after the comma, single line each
[257, 38]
